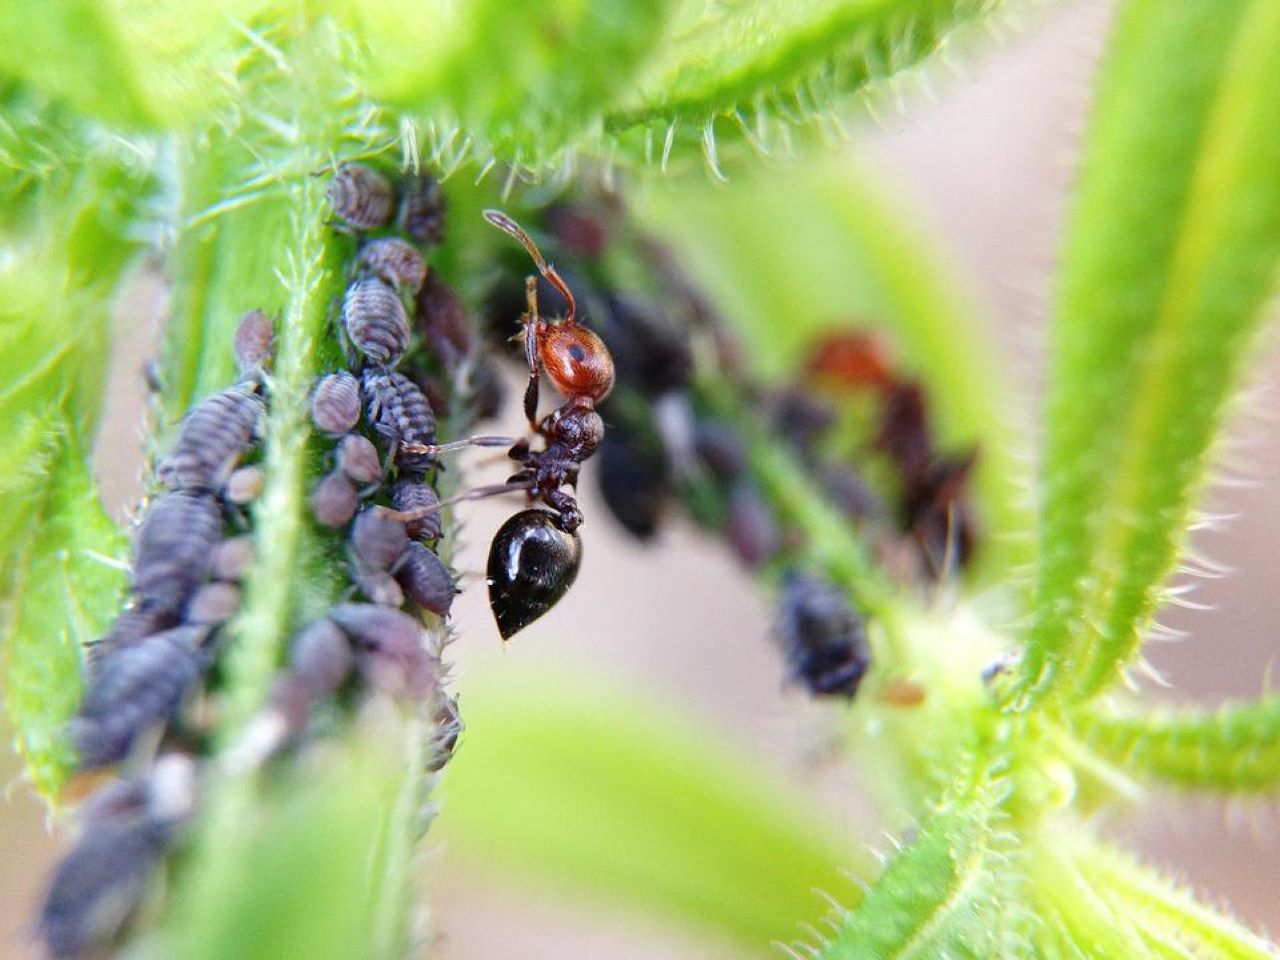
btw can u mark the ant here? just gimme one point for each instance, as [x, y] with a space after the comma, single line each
[534, 557]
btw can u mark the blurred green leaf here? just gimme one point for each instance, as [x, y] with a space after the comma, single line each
[792, 256]
[608, 795]
[1234, 749]
[1170, 257]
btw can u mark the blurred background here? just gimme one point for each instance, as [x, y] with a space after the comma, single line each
[984, 159]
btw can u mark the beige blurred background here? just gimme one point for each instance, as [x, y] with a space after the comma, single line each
[985, 159]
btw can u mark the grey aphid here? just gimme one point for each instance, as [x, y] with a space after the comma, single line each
[175, 544]
[422, 209]
[231, 558]
[361, 196]
[374, 319]
[379, 587]
[134, 689]
[129, 627]
[335, 403]
[389, 648]
[245, 485]
[320, 657]
[358, 459]
[213, 437]
[393, 260]
[407, 495]
[334, 501]
[255, 343]
[426, 580]
[444, 737]
[215, 602]
[400, 412]
[377, 539]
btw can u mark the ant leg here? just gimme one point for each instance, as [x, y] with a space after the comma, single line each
[478, 493]
[570, 517]
[532, 326]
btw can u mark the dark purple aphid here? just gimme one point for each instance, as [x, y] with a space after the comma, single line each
[374, 319]
[823, 637]
[321, 657]
[129, 627]
[377, 539]
[255, 343]
[231, 558]
[334, 501]
[849, 493]
[532, 563]
[245, 485]
[651, 353]
[803, 420]
[361, 196]
[134, 689]
[335, 404]
[213, 437]
[720, 449]
[426, 580]
[398, 410]
[389, 648]
[635, 480]
[215, 602]
[392, 260]
[409, 495]
[443, 323]
[422, 209]
[358, 459]
[751, 527]
[98, 886]
[174, 548]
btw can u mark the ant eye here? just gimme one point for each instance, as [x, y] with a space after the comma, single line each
[577, 361]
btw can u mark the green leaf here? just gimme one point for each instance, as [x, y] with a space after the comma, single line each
[571, 781]
[943, 894]
[1234, 749]
[791, 256]
[155, 64]
[523, 80]
[744, 74]
[62, 591]
[1170, 256]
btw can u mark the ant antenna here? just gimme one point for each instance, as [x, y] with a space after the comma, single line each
[510, 227]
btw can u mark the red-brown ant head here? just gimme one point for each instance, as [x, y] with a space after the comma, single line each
[576, 360]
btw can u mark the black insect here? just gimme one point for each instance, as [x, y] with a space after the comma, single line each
[426, 580]
[635, 479]
[134, 689]
[374, 320]
[361, 196]
[174, 547]
[398, 410]
[393, 261]
[823, 637]
[443, 324]
[752, 527]
[532, 563]
[422, 209]
[334, 500]
[389, 649]
[335, 403]
[255, 343]
[212, 439]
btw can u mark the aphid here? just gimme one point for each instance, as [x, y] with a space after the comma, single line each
[378, 539]
[129, 627]
[361, 196]
[335, 403]
[358, 458]
[213, 437]
[751, 527]
[444, 740]
[399, 411]
[411, 496]
[174, 548]
[321, 657]
[822, 635]
[213, 603]
[374, 320]
[389, 648]
[849, 493]
[533, 561]
[635, 480]
[134, 689]
[379, 586]
[422, 209]
[334, 501]
[442, 321]
[245, 485]
[426, 580]
[392, 260]
[231, 558]
[255, 343]
[720, 449]
[652, 354]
